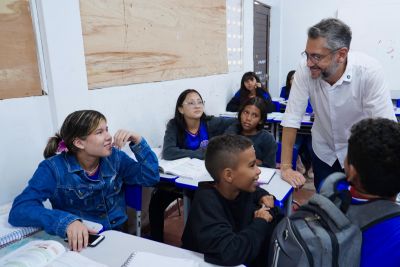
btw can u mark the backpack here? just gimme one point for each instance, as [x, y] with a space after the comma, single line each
[327, 231]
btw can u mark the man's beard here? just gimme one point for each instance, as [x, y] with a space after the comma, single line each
[328, 72]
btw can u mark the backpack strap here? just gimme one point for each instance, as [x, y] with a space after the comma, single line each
[330, 189]
[329, 185]
[373, 212]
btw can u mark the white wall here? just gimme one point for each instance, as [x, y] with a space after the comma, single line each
[28, 122]
[297, 17]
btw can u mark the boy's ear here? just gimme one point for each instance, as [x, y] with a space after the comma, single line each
[352, 175]
[78, 143]
[227, 175]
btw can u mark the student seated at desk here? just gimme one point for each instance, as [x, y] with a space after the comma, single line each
[251, 118]
[83, 177]
[186, 135]
[372, 168]
[231, 220]
[250, 86]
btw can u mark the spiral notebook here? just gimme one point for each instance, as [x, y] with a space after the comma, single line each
[140, 258]
[10, 234]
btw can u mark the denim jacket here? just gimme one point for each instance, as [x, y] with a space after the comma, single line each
[75, 197]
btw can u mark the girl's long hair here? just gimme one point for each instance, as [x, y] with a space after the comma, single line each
[261, 105]
[180, 119]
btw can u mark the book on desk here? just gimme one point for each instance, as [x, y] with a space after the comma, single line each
[195, 169]
[46, 253]
[10, 234]
[189, 168]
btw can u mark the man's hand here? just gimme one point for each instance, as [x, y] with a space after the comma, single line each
[294, 178]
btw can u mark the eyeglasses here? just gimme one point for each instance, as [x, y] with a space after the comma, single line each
[192, 104]
[316, 58]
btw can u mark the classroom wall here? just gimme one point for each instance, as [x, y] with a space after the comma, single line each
[297, 17]
[28, 122]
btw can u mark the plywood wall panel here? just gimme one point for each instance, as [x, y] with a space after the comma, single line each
[137, 41]
[19, 73]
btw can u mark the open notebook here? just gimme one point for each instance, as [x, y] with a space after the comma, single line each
[265, 175]
[185, 167]
[10, 234]
[46, 253]
[139, 258]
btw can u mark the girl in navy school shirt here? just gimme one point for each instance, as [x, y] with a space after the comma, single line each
[251, 119]
[250, 86]
[186, 135]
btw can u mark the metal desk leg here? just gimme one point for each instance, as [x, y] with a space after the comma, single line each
[288, 204]
[186, 206]
[138, 222]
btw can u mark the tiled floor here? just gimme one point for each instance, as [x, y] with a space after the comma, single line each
[173, 228]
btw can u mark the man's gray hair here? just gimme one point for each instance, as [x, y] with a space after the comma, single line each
[336, 32]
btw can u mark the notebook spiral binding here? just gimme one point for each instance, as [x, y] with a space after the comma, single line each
[129, 259]
[16, 235]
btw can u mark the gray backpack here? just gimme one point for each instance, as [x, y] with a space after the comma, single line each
[327, 231]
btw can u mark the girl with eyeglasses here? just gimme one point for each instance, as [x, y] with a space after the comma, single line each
[186, 135]
[250, 86]
[251, 118]
[83, 177]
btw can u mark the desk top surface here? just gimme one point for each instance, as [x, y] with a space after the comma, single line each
[117, 247]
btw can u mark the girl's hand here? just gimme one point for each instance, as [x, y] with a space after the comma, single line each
[268, 201]
[78, 236]
[121, 137]
[258, 85]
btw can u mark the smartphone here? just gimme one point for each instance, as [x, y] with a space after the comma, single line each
[94, 239]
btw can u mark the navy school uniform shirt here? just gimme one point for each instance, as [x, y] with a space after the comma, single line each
[211, 126]
[74, 196]
[234, 103]
[263, 142]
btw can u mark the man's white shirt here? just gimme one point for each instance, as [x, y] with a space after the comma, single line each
[360, 93]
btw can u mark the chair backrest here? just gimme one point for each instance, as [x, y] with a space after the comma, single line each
[294, 155]
[133, 196]
[277, 106]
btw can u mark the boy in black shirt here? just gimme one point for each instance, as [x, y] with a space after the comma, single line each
[230, 219]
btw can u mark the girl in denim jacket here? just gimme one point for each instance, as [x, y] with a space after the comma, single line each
[83, 177]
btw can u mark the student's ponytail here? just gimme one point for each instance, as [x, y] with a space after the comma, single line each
[52, 146]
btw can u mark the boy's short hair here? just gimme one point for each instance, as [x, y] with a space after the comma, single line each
[222, 152]
[374, 151]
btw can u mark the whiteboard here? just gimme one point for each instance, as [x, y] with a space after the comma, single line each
[376, 31]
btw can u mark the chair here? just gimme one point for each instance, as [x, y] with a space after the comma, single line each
[277, 106]
[133, 198]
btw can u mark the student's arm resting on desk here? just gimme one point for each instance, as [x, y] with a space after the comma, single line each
[28, 210]
[294, 178]
[144, 171]
[171, 150]
[212, 233]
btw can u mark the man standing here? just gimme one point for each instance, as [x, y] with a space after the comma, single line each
[344, 87]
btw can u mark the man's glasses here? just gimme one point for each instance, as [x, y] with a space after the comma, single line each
[316, 58]
[192, 104]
